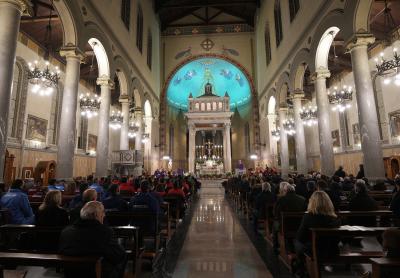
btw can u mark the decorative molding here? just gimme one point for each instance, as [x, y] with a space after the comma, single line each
[198, 30]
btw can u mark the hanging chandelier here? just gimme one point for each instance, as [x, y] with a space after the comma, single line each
[132, 132]
[44, 80]
[340, 99]
[389, 69]
[145, 137]
[116, 120]
[276, 134]
[309, 115]
[89, 105]
[289, 127]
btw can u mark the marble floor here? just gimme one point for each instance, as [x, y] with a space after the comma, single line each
[216, 244]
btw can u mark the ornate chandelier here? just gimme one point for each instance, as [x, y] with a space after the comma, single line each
[116, 120]
[133, 131]
[276, 133]
[389, 69]
[43, 81]
[89, 105]
[145, 137]
[289, 127]
[309, 115]
[340, 98]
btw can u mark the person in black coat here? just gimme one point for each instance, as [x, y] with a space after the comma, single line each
[360, 173]
[362, 202]
[334, 195]
[87, 196]
[320, 214]
[90, 237]
[114, 200]
[340, 172]
[395, 203]
[50, 212]
[262, 200]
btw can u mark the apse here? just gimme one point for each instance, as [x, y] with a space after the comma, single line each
[224, 76]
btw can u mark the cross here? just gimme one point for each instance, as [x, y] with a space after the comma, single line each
[207, 44]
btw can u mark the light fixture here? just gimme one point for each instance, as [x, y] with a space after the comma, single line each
[389, 69]
[133, 129]
[116, 120]
[44, 80]
[253, 157]
[276, 134]
[166, 157]
[309, 115]
[89, 105]
[289, 127]
[145, 137]
[340, 98]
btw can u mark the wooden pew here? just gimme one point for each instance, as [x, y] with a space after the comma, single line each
[50, 260]
[380, 264]
[317, 259]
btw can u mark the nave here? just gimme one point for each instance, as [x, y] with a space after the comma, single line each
[216, 244]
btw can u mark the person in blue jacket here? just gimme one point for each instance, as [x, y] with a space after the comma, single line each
[16, 201]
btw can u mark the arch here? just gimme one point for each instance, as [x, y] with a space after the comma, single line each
[298, 68]
[357, 13]
[138, 92]
[323, 37]
[65, 10]
[147, 109]
[94, 33]
[121, 70]
[282, 87]
[272, 105]
[101, 57]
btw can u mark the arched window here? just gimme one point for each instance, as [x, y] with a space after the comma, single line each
[126, 12]
[267, 39]
[294, 6]
[139, 30]
[149, 49]
[278, 22]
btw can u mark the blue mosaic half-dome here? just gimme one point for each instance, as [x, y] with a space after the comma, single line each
[223, 75]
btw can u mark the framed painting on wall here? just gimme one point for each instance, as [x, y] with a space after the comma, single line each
[394, 120]
[92, 142]
[356, 134]
[336, 138]
[36, 129]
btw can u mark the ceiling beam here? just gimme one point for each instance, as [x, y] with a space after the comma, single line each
[207, 24]
[213, 4]
[38, 19]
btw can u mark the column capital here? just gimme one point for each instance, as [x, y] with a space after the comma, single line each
[124, 99]
[24, 6]
[321, 73]
[298, 94]
[271, 116]
[72, 52]
[105, 81]
[283, 108]
[227, 125]
[359, 40]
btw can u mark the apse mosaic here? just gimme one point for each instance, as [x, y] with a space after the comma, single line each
[223, 75]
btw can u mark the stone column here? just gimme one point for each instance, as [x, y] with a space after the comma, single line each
[367, 114]
[124, 139]
[192, 143]
[284, 152]
[66, 138]
[103, 132]
[272, 142]
[324, 125]
[227, 148]
[301, 156]
[138, 143]
[10, 16]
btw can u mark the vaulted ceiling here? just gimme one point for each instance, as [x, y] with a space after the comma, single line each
[182, 13]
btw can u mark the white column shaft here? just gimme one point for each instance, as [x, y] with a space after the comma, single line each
[228, 162]
[284, 151]
[192, 142]
[301, 156]
[124, 139]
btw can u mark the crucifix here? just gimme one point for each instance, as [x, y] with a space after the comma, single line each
[209, 148]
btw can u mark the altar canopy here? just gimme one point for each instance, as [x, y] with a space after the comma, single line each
[209, 114]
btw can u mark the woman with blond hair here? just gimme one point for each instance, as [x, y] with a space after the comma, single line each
[320, 214]
[50, 212]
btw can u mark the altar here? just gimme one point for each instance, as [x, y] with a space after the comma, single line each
[210, 167]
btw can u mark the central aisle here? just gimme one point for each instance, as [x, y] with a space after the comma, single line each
[216, 244]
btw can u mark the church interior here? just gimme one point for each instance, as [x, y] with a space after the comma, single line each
[200, 138]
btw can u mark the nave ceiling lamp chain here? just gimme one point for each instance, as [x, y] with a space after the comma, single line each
[341, 96]
[389, 69]
[43, 79]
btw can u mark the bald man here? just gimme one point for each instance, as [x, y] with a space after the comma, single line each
[87, 196]
[88, 236]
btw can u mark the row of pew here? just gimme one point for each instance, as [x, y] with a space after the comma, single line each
[141, 233]
[290, 222]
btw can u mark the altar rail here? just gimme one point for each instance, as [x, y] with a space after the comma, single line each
[127, 157]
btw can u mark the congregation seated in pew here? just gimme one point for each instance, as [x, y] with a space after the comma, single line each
[87, 196]
[50, 212]
[114, 201]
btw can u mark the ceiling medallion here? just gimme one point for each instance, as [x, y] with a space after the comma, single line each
[207, 44]
[237, 28]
